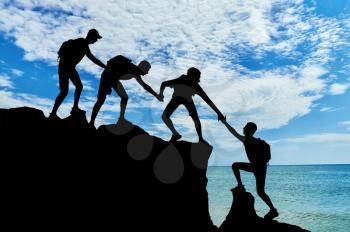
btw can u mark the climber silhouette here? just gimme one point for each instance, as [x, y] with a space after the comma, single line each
[120, 68]
[69, 55]
[258, 162]
[185, 87]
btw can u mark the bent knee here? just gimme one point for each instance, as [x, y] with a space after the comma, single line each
[165, 116]
[79, 87]
[235, 166]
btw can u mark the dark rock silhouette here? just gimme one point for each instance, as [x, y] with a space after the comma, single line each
[63, 175]
[242, 217]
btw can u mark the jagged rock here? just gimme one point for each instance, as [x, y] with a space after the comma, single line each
[242, 217]
[63, 175]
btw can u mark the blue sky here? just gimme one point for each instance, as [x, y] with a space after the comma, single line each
[282, 64]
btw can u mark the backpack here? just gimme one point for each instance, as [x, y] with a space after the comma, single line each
[263, 148]
[66, 48]
[118, 61]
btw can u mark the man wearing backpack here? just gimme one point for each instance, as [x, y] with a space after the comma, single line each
[69, 55]
[120, 68]
[258, 153]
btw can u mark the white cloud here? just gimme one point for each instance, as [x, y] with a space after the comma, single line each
[17, 72]
[177, 33]
[5, 82]
[9, 99]
[319, 138]
[331, 109]
[337, 88]
[346, 124]
[88, 85]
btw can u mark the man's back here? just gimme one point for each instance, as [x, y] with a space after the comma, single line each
[184, 87]
[72, 52]
[120, 68]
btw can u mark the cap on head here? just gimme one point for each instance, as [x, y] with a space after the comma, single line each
[93, 33]
[144, 66]
[250, 128]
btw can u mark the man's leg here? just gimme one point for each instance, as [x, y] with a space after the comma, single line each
[194, 115]
[64, 87]
[96, 109]
[169, 110]
[118, 87]
[260, 176]
[241, 166]
[74, 76]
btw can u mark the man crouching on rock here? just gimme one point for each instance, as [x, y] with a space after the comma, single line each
[120, 68]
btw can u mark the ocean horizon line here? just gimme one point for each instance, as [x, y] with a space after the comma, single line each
[290, 165]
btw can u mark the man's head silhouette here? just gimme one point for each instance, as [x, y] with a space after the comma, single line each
[249, 129]
[93, 36]
[194, 74]
[144, 66]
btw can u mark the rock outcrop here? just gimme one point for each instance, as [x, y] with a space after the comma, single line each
[62, 175]
[242, 217]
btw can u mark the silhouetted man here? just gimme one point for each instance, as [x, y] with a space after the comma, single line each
[258, 162]
[69, 55]
[120, 68]
[184, 88]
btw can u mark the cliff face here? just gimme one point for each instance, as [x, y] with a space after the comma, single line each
[64, 175]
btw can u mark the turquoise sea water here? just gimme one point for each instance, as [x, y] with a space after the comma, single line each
[314, 197]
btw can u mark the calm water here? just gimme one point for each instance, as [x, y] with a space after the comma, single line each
[315, 197]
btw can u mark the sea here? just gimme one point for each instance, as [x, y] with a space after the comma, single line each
[314, 197]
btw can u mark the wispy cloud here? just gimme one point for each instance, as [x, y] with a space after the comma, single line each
[346, 124]
[6, 82]
[318, 138]
[9, 99]
[338, 88]
[17, 72]
[182, 37]
[331, 109]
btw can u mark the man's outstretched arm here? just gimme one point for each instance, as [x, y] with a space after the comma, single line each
[147, 87]
[166, 84]
[95, 60]
[234, 132]
[205, 97]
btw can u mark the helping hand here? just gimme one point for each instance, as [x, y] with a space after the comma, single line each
[160, 97]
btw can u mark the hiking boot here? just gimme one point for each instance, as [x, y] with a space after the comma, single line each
[77, 111]
[175, 137]
[271, 214]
